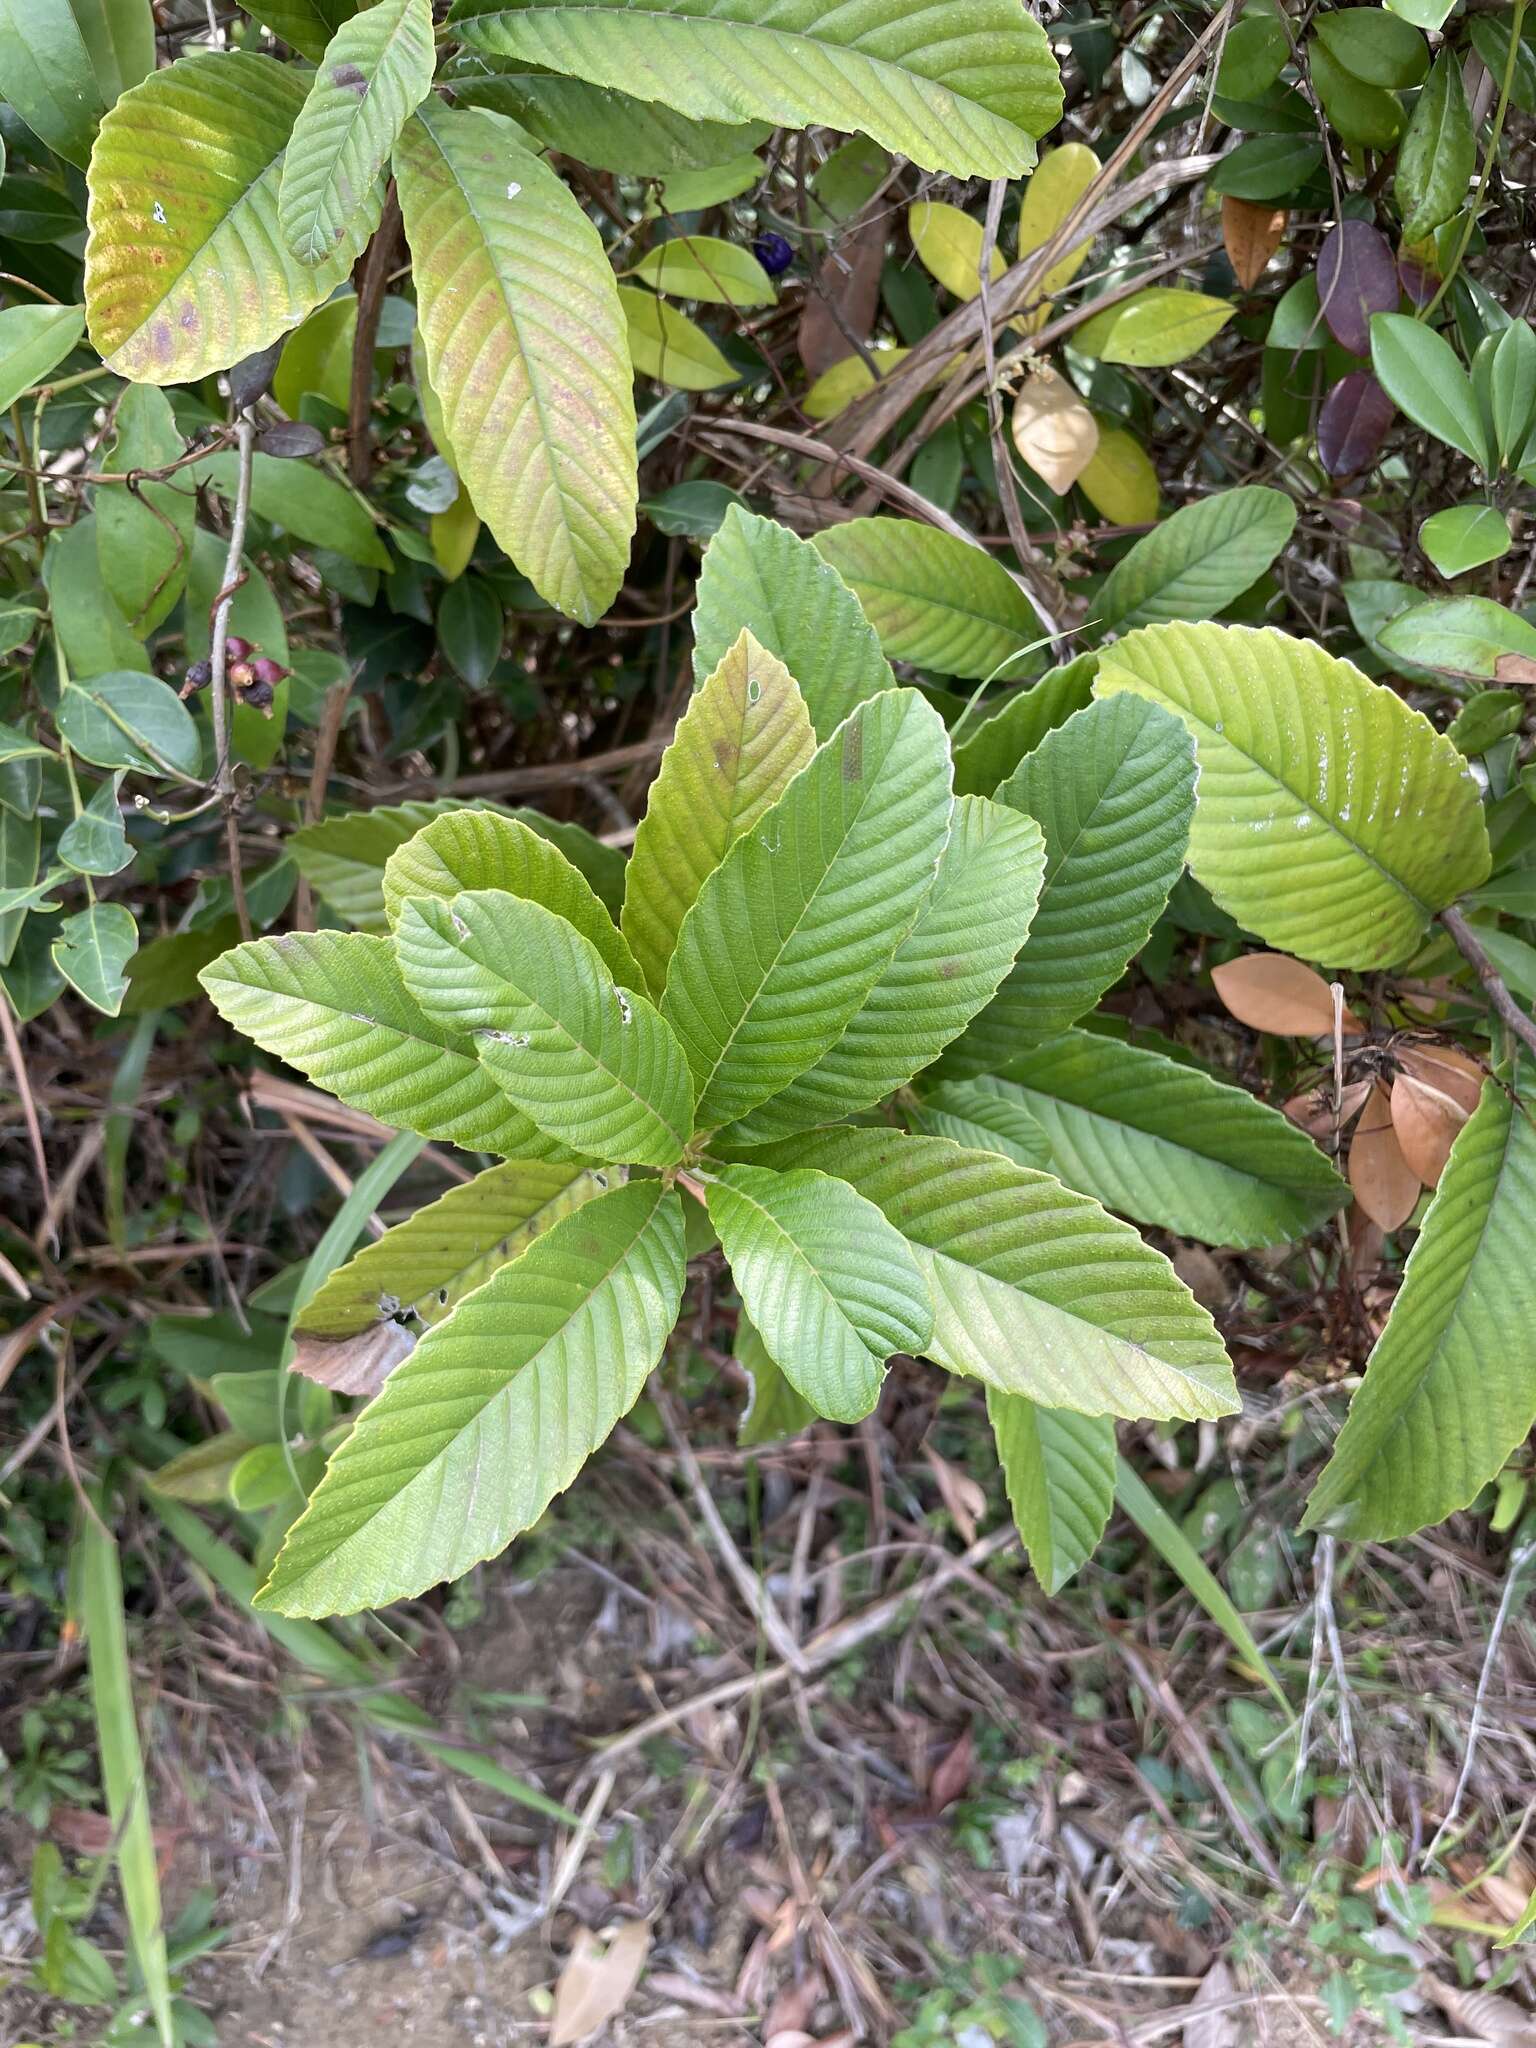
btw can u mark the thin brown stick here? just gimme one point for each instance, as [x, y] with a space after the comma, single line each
[1498, 995]
[546, 774]
[18, 1066]
[218, 662]
[371, 278]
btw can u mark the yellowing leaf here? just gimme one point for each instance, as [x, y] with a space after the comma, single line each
[948, 244]
[185, 271]
[668, 346]
[1058, 183]
[1153, 328]
[705, 268]
[453, 535]
[1053, 430]
[526, 351]
[848, 380]
[1119, 481]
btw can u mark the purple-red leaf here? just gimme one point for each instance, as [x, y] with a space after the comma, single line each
[1353, 424]
[1356, 277]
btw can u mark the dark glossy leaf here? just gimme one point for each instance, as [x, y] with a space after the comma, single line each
[1356, 277]
[1353, 424]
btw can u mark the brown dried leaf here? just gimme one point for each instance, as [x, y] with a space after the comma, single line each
[1483, 2014]
[1445, 1068]
[1313, 1107]
[596, 1983]
[952, 1773]
[1273, 992]
[1426, 1121]
[1053, 430]
[1204, 2028]
[359, 1364]
[1514, 668]
[848, 277]
[1252, 231]
[1385, 1185]
[964, 1497]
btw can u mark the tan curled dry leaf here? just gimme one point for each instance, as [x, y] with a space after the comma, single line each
[1252, 231]
[1426, 1121]
[1273, 992]
[1053, 430]
[597, 1981]
[1385, 1185]
[1514, 668]
[1314, 1109]
[358, 1364]
[965, 1500]
[1447, 1069]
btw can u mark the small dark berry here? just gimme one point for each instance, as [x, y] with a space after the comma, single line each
[774, 254]
[238, 649]
[265, 670]
[259, 697]
[199, 675]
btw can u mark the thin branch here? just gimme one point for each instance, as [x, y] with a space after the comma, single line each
[218, 662]
[371, 277]
[18, 1064]
[1493, 982]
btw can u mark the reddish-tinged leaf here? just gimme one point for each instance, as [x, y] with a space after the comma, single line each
[1353, 424]
[1426, 1121]
[1273, 992]
[1252, 230]
[1385, 1185]
[952, 1774]
[1418, 270]
[1356, 277]
[847, 279]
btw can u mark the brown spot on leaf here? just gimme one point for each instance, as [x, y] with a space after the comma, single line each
[725, 755]
[350, 79]
[948, 969]
[853, 752]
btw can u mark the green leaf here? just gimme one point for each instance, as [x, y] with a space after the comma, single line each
[1036, 1290]
[1366, 116]
[948, 243]
[332, 1004]
[377, 69]
[1270, 166]
[994, 748]
[759, 576]
[34, 340]
[610, 131]
[1422, 375]
[1195, 563]
[1504, 374]
[1253, 55]
[934, 599]
[344, 859]
[520, 1385]
[144, 534]
[92, 950]
[1171, 1145]
[471, 626]
[669, 347]
[774, 1410]
[185, 271]
[705, 268]
[737, 747]
[95, 843]
[1114, 792]
[1375, 46]
[1450, 1389]
[590, 1063]
[1059, 1470]
[120, 35]
[1464, 537]
[791, 932]
[429, 1263]
[1463, 636]
[973, 921]
[305, 501]
[1164, 324]
[984, 1118]
[968, 101]
[130, 721]
[1378, 816]
[469, 849]
[830, 1287]
[16, 745]
[526, 350]
[47, 75]
[1438, 155]
[20, 847]
[1171, 1544]
[125, 1777]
